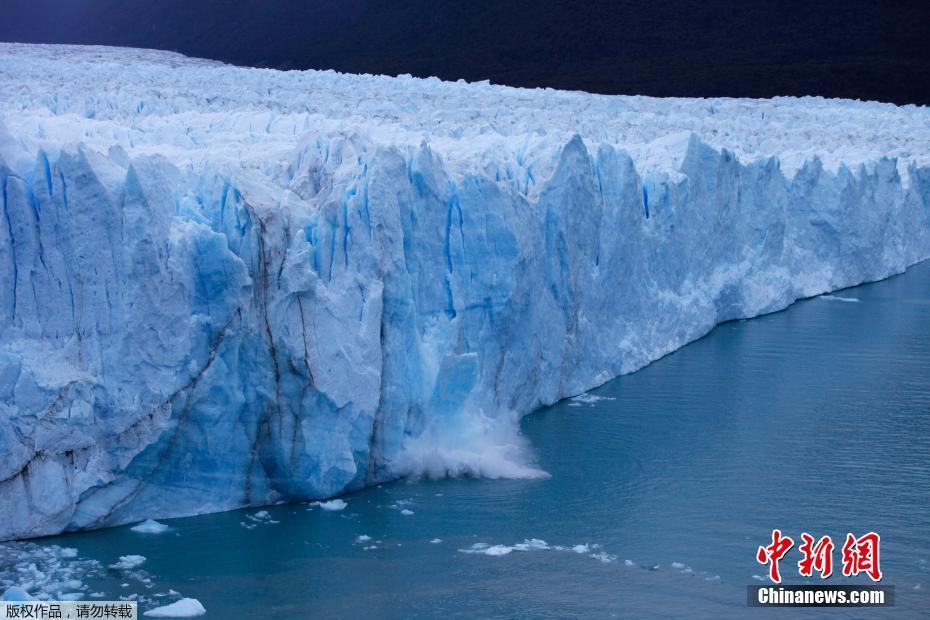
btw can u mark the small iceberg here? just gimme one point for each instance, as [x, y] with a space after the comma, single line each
[849, 300]
[150, 526]
[15, 593]
[185, 608]
[331, 505]
[128, 562]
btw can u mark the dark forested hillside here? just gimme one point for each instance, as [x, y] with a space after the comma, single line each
[855, 48]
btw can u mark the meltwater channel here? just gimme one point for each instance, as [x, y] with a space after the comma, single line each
[663, 484]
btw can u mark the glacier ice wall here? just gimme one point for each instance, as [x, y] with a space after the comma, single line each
[189, 329]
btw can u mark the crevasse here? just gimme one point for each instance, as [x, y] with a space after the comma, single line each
[222, 299]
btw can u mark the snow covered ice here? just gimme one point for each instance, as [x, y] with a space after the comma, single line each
[226, 287]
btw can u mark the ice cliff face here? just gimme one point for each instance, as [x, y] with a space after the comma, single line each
[223, 287]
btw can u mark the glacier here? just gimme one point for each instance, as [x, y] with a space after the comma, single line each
[225, 287]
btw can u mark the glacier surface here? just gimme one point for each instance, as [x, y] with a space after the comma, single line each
[226, 287]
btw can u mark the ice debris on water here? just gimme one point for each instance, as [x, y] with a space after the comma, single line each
[150, 526]
[332, 505]
[128, 562]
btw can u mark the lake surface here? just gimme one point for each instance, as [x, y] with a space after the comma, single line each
[814, 419]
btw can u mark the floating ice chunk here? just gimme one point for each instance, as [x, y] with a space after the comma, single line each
[677, 565]
[498, 550]
[70, 596]
[128, 562]
[628, 563]
[150, 526]
[406, 512]
[185, 608]
[363, 538]
[537, 544]
[332, 505]
[529, 544]
[262, 517]
[436, 541]
[850, 300]
[15, 593]
[758, 577]
[486, 549]
[532, 544]
[43, 571]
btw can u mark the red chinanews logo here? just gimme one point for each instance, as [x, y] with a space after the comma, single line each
[860, 555]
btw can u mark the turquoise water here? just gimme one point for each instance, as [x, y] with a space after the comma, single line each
[813, 419]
